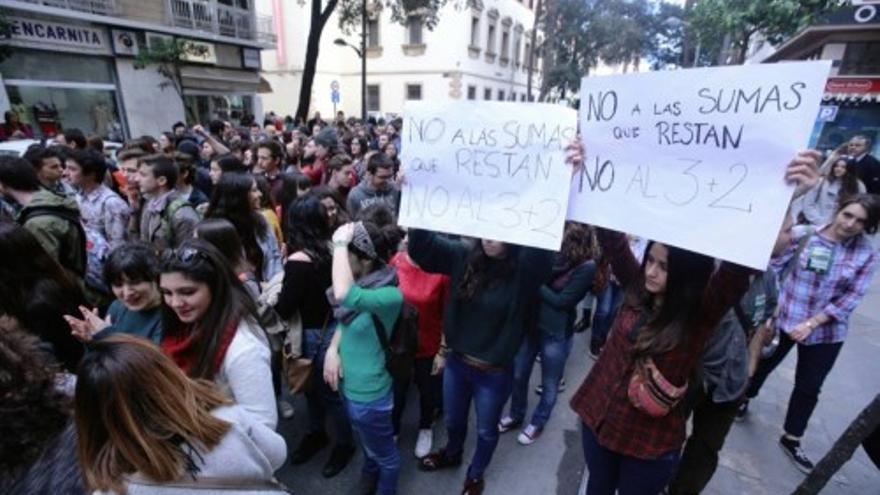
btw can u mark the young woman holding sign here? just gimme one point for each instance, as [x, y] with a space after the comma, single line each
[825, 275]
[494, 289]
[630, 403]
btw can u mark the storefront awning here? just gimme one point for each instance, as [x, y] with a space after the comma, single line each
[264, 86]
[217, 79]
[852, 90]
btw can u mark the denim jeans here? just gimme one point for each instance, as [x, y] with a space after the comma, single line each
[372, 421]
[322, 401]
[489, 391]
[607, 303]
[554, 353]
[814, 362]
[610, 471]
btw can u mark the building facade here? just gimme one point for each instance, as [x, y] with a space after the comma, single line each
[850, 38]
[474, 53]
[72, 63]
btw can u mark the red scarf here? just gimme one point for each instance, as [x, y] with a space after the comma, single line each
[180, 346]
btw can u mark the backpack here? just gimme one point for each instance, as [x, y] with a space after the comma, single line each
[92, 269]
[169, 212]
[400, 348]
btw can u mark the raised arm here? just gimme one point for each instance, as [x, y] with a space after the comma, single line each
[433, 253]
[615, 246]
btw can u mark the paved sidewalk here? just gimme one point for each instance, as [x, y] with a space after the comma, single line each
[751, 462]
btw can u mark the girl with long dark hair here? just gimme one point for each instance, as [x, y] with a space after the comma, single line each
[144, 427]
[630, 403]
[550, 336]
[840, 183]
[494, 290]
[38, 292]
[306, 279]
[224, 236]
[210, 329]
[237, 198]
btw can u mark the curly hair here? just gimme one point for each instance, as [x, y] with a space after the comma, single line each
[33, 411]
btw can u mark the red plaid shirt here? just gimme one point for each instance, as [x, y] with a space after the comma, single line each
[601, 401]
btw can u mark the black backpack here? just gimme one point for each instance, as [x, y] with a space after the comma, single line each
[400, 349]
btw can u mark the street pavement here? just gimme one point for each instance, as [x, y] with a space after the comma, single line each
[750, 463]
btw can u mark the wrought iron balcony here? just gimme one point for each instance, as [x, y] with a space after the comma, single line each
[101, 7]
[221, 18]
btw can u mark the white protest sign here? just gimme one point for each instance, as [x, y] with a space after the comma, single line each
[696, 158]
[485, 169]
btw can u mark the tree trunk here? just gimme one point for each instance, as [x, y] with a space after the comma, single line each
[316, 27]
[865, 423]
[688, 51]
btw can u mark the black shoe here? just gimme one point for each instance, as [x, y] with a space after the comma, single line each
[742, 411]
[310, 445]
[796, 453]
[583, 324]
[595, 348]
[339, 458]
[366, 485]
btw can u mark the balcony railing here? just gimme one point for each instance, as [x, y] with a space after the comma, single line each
[226, 20]
[101, 7]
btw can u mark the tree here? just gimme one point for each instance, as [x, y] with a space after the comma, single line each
[5, 33]
[581, 34]
[724, 28]
[320, 12]
[168, 58]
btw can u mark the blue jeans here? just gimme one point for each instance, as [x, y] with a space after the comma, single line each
[607, 303]
[610, 471]
[489, 391]
[554, 353]
[322, 401]
[372, 420]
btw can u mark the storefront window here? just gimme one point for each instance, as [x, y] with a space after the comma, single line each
[36, 65]
[50, 110]
[232, 108]
[849, 121]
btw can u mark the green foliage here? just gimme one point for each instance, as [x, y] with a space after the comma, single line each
[168, 58]
[5, 33]
[776, 20]
[583, 33]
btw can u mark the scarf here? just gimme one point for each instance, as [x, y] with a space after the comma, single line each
[385, 276]
[180, 346]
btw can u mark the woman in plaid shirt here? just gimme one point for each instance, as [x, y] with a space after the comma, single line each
[674, 300]
[833, 268]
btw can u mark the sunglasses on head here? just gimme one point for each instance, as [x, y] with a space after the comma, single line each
[185, 255]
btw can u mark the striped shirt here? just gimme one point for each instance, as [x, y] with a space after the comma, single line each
[836, 293]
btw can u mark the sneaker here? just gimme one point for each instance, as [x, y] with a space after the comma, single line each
[529, 435]
[796, 453]
[507, 423]
[285, 409]
[310, 445]
[742, 411]
[339, 458]
[424, 442]
[473, 486]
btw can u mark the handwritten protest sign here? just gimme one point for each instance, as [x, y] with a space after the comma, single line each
[492, 170]
[696, 156]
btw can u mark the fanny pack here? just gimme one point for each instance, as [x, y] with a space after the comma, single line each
[650, 392]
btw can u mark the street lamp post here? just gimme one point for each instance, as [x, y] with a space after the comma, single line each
[362, 53]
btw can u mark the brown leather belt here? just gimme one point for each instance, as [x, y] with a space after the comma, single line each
[478, 364]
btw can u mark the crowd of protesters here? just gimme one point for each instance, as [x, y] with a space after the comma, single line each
[156, 304]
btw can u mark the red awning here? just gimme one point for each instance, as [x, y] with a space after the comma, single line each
[852, 90]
